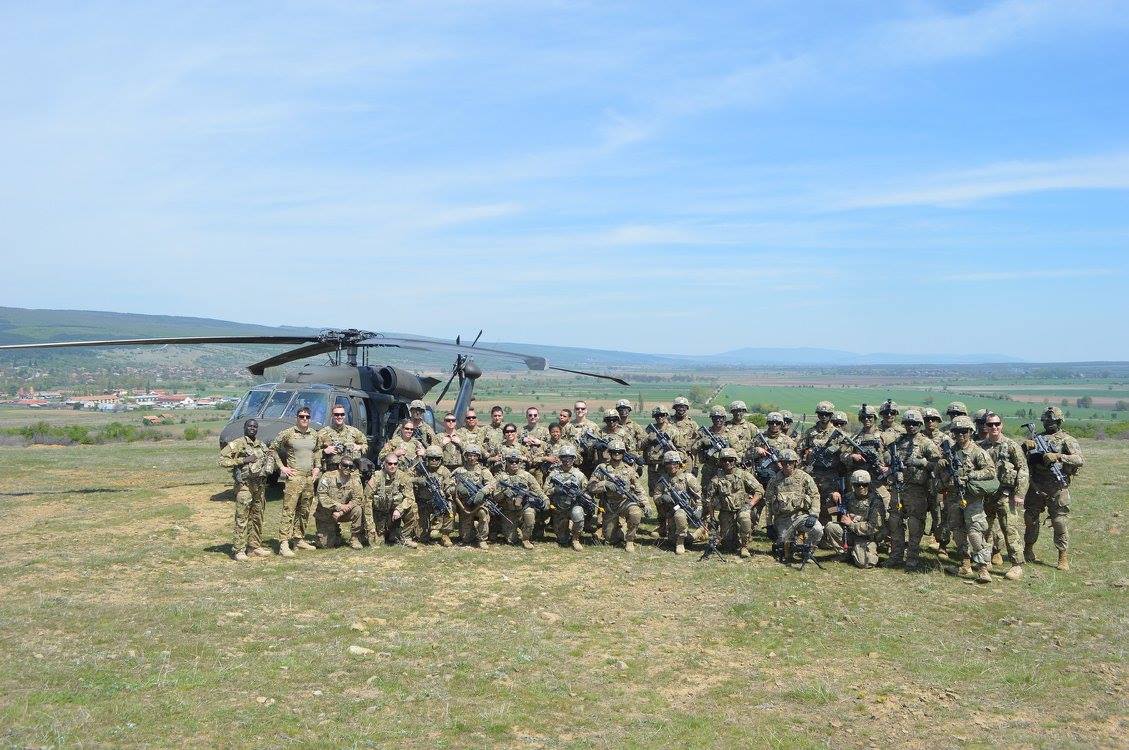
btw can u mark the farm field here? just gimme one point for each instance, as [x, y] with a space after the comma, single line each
[126, 623]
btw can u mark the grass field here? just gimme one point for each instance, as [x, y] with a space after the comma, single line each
[126, 623]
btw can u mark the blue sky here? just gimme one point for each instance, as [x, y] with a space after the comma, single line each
[671, 177]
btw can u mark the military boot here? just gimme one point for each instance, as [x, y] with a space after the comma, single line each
[997, 560]
[261, 552]
[1028, 554]
[284, 549]
[303, 544]
[1063, 560]
[355, 543]
[680, 548]
[241, 556]
[526, 544]
[629, 546]
[409, 543]
[982, 575]
[743, 552]
[445, 540]
[576, 541]
[1014, 573]
[965, 569]
[483, 545]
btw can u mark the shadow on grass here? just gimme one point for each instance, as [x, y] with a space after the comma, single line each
[83, 491]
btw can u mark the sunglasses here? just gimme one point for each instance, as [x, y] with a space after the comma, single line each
[303, 416]
[449, 419]
[509, 432]
[338, 413]
[994, 424]
[472, 416]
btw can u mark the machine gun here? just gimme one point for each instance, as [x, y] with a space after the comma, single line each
[591, 441]
[529, 498]
[472, 488]
[683, 501]
[439, 504]
[622, 489]
[764, 467]
[717, 442]
[896, 474]
[1042, 448]
[574, 494]
[665, 443]
[823, 458]
[713, 539]
[950, 457]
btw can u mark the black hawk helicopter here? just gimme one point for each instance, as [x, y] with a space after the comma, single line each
[375, 396]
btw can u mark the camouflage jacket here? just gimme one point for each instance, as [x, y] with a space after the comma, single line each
[452, 451]
[578, 426]
[353, 440]
[790, 496]
[423, 494]
[1011, 464]
[917, 453]
[637, 431]
[295, 449]
[703, 446]
[871, 439]
[972, 463]
[892, 433]
[424, 432]
[744, 431]
[233, 454]
[479, 475]
[866, 515]
[387, 494]
[822, 444]
[537, 432]
[733, 491]
[652, 445]
[1070, 454]
[778, 443]
[331, 492]
[508, 499]
[684, 481]
[599, 486]
[573, 476]
[478, 436]
[410, 455]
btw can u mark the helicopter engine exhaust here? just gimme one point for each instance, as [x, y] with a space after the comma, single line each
[397, 382]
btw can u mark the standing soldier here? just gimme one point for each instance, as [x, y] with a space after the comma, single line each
[684, 432]
[339, 497]
[509, 442]
[1004, 508]
[634, 433]
[937, 511]
[493, 445]
[915, 453]
[675, 519]
[819, 450]
[424, 432]
[980, 432]
[955, 409]
[791, 429]
[873, 458]
[732, 492]
[760, 454]
[1050, 489]
[520, 514]
[792, 499]
[338, 439]
[568, 514]
[393, 504]
[889, 426]
[970, 469]
[407, 447]
[295, 454]
[475, 433]
[430, 517]
[580, 422]
[617, 484]
[450, 442]
[659, 439]
[742, 428]
[474, 521]
[710, 442]
[250, 464]
[860, 524]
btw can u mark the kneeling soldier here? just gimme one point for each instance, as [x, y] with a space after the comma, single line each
[393, 504]
[860, 524]
[677, 523]
[793, 500]
[617, 484]
[517, 493]
[733, 492]
[339, 497]
[474, 521]
[250, 463]
[564, 483]
[432, 517]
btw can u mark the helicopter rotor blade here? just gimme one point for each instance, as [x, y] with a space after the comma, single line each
[592, 375]
[476, 338]
[531, 361]
[170, 340]
[310, 350]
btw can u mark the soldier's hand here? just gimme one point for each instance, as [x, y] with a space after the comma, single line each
[943, 464]
[316, 474]
[330, 450]
[1051, 458]
[858, 458]
[396, 515]
[286, 471]
[761, 452]
[1029, 445]
[837, 497]
[248, 460]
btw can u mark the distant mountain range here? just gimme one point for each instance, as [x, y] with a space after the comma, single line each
[21, 325]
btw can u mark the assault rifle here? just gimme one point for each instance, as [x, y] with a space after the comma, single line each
[822, 458]
[764, 466]
[1042, 448]
[472, 488]
[664, 439]
[439, 504]
[713, 539]
[529, 498]
[622, 489]
[950, 456]
[717, 442]
[574, 494]
[591, 441]
[873, 463]
[896, 472]
[681, 500]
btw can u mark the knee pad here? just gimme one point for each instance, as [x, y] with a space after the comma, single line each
[576, 514]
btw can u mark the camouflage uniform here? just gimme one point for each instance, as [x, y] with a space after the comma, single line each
[685, 436]
[621, 515]
[743, 430]
[385, 495]
[819, 449]
[917, 453]
[732, 494]
[790, 502]
[474, 521]
[295, 449]
[765, 471]
[889, 426]
[410, 457]
[860, 526]
[568, 519]
[871, 439]
[452, 451]
[250, 490]
[424, 432]
[352, 439]
[967, 519]
[492, 446]
[521, 517]
[1047, 494]
[1001, 509]
[578, 427]
[936, 496]
[652, 450]
[334, 491]
[705, 450]
[677, 524]
[429, 519]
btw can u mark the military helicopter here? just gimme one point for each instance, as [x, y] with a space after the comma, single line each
[375, 396]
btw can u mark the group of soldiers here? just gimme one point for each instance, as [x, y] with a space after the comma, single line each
[854, 492]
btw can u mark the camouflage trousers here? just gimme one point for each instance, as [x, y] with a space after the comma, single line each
[474, 525]
[863, 549]
[735, 528]
[969, 526]
[1005, 522]
[520, 527]
[915, 508]
[430, 521]
[568, 523]
[250, 500]
[378, 523]
[297, 497]
[677, 523]
[828, 484]
[788, 526]
[622, 525]
[329, 529]
[1053, 499]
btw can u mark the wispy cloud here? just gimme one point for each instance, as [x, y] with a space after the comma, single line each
[1049, 273]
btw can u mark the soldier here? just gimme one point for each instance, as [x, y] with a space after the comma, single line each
[934, 432]
[475, 433]
[819, 449]
[532, 433]
[684, 433]
[674, 517]
[339, 497]
[710, 442]
[874, 460]
[916, 453]
[1047, 491]
[250, 464]
[424, 432]
[494, 432]
[792, 499]
[564, 419]
[889, 426]
[766, 445]
[568, 514]
[520, 514]
[338, 439]
[474, 521]
[1004, 508]
[407, 447]
[580, 422]
[860, 523]
[450, 442]
[955, 409]
[659, 439]
[295, 454]
[791, 429]
[390, 494]
[557, 439]
[971, 468]
[510, 442]
[634, 432]
[733, 492]
[624, 500]
[430, 517]
[743, 430]
[981, 432]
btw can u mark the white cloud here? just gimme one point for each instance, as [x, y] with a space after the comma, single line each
[1049, 273]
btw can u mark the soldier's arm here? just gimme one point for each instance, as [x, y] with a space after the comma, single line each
[229, 458]
[693, 487]
[1023, 474]
[1072, 455]
[754, 488]
[811, 494]
[983, 467]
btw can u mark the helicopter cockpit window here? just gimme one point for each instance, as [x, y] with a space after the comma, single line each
[317, 402]
[347, 405]
[276, 407]
[251, 404]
